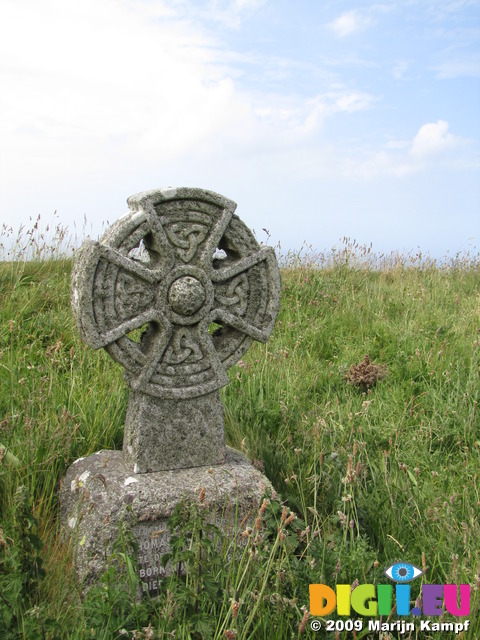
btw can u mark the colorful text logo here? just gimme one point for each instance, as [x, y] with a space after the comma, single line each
[371, 600]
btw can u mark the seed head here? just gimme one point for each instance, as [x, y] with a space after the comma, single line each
[303, 623]
[290, 519]
[235, 608]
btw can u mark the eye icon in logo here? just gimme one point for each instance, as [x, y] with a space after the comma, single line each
[402, 572]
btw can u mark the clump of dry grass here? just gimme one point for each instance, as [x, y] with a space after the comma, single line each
[366, 374]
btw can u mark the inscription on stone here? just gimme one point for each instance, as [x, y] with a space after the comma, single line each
[152, 545]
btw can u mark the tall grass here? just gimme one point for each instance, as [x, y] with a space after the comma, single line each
[374, 473]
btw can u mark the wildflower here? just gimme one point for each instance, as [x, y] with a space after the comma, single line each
[229, 634]
[201, 497]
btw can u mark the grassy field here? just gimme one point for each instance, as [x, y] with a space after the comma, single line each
[374, 460]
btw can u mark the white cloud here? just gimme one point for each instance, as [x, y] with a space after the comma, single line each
[351, 101]
[399, 158]
[378, 164]
[349, 22]
[469, 67]
[116, 85]
[241, 5]
[230, 13]
[433, 138]
[101, 80]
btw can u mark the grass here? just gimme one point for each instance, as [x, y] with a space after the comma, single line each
[376, 470]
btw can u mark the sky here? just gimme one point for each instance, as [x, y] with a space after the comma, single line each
[321, 120]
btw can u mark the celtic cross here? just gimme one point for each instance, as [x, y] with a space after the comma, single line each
[175, 291]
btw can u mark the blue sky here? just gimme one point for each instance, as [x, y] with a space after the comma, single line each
[320, 119]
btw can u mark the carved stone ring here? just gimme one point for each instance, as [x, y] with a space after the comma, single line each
[176, 291]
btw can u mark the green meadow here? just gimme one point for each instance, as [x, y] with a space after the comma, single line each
[361, 409]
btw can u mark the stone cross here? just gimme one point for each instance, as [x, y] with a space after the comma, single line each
[175, 291]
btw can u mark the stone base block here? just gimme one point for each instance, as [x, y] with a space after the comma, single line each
[100, 491]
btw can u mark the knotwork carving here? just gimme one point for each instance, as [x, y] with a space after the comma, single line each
[234, 294]
[131, 295]
[182, 349]
[186, 236]
[202, 267]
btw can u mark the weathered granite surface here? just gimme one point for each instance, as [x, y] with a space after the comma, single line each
[175, 291]
[175, 317]
[174, 434]
[99, 491]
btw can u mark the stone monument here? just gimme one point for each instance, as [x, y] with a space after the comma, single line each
[175, 291]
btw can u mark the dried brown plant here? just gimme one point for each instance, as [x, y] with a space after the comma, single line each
[366, 374]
